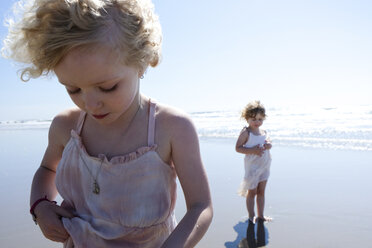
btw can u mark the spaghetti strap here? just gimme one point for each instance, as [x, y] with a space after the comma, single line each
[151, 125]
[246, 128]
[80, 123]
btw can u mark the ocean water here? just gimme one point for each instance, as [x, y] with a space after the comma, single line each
[340, 128]
[336, 128]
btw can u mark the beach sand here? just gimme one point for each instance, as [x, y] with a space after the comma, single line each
[317, 198]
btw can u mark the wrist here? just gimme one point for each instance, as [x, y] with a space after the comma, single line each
[251, 150]
[35, 204]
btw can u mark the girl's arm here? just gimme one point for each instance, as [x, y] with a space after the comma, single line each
[193, 179]
[243, 138]
[47, 213]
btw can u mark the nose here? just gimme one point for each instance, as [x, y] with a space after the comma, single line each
[92, 101]
[257, 122]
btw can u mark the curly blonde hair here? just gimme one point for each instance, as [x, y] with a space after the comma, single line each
[252, 109]
[49, 29]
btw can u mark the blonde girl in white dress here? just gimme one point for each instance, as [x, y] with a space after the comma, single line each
[255, 144]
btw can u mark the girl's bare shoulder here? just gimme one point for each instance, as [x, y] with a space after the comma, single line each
[63, 123]
[169, 115]
[244, 132]
[173, 122]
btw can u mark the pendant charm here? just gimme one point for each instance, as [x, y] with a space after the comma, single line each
[96, 188]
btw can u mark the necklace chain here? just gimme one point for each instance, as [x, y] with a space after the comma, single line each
[96, 187]
[130, 123]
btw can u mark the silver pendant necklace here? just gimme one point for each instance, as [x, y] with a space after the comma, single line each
[96, 189]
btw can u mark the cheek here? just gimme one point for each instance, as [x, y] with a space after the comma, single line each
[77, 100]
[124, 97]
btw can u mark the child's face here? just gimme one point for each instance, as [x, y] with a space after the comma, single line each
[97, 83]
[256, 121]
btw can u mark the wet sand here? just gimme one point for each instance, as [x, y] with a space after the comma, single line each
[317, 198]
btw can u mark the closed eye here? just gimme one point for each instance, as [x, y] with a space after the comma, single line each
[110, 89]
[74, 91]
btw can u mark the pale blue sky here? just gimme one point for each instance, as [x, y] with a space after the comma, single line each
[218, 55]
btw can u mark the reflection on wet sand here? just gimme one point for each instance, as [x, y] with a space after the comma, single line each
[250, 235]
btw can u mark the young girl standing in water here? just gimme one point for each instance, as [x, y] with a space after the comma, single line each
[255, 144]
[114, 159]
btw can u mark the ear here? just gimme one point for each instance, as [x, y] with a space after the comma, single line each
[141, 73]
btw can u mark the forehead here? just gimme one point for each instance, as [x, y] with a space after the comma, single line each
[89, 65]
[88, 56]
[258, 116]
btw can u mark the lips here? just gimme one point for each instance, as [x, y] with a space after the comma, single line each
[100, 116]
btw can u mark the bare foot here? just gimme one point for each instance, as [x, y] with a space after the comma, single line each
[264, 219]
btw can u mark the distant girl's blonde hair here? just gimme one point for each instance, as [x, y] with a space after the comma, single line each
[252, 109]
[49, 29]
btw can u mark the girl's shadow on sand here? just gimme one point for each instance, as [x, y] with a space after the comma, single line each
[252, 236]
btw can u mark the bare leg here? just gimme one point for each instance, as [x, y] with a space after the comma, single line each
[250, 202]
[261, 199]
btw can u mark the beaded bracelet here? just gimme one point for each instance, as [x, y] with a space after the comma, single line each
[45, 198]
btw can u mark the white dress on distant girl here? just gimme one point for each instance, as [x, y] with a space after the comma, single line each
[257, 169]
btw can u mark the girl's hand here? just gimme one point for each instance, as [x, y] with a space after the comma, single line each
[49, 220]
[258, 150]
[267, 145]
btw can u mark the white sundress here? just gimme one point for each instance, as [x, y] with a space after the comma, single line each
[257, 169]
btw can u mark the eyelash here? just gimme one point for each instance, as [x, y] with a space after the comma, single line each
[72, 92]
[109, 90]
[102, 89]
